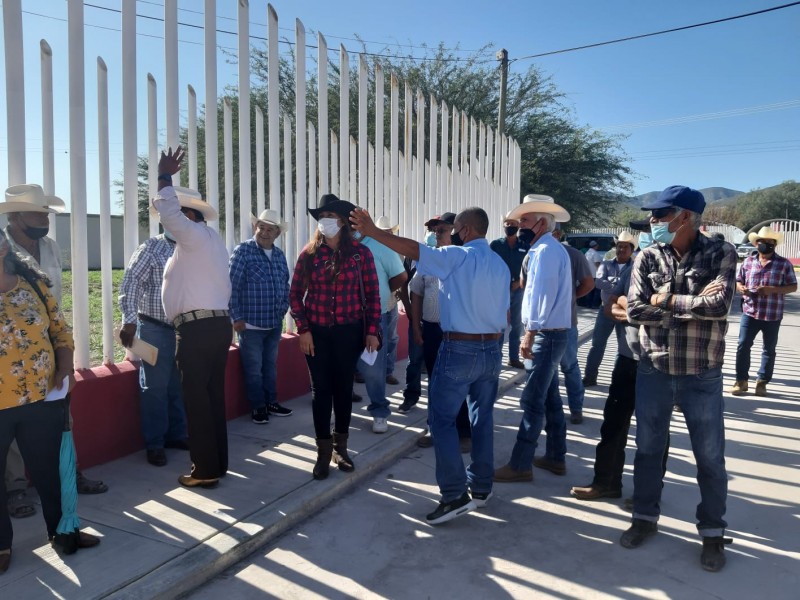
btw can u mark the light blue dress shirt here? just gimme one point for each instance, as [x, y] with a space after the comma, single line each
[474, 286]
[547, 301]
[387, 264]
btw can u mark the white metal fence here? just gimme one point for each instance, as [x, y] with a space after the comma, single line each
[468, 165]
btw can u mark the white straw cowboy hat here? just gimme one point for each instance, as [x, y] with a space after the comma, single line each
[765, 233]
[30, 197]
[270, 217]
[536, 203]
[191, 199]
[626, 236]
[385, 224]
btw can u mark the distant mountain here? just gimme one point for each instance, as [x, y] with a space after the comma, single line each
[711, 194]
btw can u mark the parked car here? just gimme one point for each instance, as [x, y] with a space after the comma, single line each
[745, 250]
[605, 241]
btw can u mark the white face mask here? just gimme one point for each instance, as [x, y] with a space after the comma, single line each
[329, 227]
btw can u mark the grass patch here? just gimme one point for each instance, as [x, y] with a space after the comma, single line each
[95, 313]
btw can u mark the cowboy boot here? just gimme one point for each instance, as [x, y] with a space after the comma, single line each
[324, 451]
[340, 456]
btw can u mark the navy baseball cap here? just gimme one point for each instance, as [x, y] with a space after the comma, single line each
[679, 196]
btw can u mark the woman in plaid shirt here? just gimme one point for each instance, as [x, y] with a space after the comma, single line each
[325, 299]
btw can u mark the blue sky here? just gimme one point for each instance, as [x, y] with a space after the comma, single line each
[711, 106]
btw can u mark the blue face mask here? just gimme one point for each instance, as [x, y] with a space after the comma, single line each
[661, 233]
[645, 240]
[430, 239]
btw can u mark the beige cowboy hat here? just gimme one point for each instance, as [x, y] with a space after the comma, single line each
[29, 197]
[765, 233]
[385, 224]
[270, 217]
[626, 236]
[191, 199]
[537, 203]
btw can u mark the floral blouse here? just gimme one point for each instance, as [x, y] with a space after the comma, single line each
[27, 357]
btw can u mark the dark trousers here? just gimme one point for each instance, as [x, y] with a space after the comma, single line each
[336, 352]
[202, 353]
[748, 330]
[620, 404]
[431, 340]
[38, 428]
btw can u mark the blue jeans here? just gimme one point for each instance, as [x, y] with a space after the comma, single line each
[603, 326]
[161, 408]
[572, 373]
[416, 358]
[375, 376]
[515, 327]
[541, 403]
[748, 329]
[390, 338]
[258, 350]
[464, 368]
[700, 398]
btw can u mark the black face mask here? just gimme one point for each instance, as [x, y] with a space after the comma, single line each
[525, 236]
[456, 240]
[764, 248]
[36, 233]
[511, 230]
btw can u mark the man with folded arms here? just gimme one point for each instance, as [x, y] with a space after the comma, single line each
[196, 292]
[547, 318]
[161, 410]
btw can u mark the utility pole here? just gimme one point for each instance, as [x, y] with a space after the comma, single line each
[502, 56]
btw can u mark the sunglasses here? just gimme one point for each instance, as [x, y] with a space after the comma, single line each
[660, 213]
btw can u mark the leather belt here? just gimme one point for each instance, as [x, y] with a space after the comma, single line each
[196, 315]
[152, 321]
[471, 337]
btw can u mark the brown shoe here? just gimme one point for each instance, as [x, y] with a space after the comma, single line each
[190, 482]
[392, 380]
[761, 388]
[557, 468]
[506, 474]
[516, 364]
[87, 540]
[739, 388]
[426, 441]
[465, 445]
[594, 492]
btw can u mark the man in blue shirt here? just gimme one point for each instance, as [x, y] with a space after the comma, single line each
[547, 318]
[469, 357]
[259, 300]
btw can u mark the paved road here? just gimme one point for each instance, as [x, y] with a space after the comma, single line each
[534, 541]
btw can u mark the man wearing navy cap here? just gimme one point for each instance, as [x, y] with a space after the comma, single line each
[681, 292]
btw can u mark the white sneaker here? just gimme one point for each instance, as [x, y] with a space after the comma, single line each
[380, 425]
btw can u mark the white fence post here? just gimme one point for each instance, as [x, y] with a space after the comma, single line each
[104, 181]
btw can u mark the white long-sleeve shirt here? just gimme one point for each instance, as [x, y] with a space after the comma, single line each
[196, 277]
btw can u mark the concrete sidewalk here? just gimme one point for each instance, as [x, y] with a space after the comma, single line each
[161, 540]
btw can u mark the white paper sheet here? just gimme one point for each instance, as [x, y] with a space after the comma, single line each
[369, 357]
[58, 394]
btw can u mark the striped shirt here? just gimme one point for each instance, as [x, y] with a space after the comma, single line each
[427, 288]
[690, 338]
[259, 285]
[778, 272]
[140, 291]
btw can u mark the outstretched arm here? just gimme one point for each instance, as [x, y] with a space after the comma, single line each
[362, 222]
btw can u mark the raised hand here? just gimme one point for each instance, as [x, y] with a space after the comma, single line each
[170, 162]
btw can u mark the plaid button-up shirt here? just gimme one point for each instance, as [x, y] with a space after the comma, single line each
[690, 338]
[140, 291]
[318, 299]
[778, 272]
[259, 285]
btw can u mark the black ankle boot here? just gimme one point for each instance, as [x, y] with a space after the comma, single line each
[638, 532]
[713, 555]
[324, 451]
[340, 457]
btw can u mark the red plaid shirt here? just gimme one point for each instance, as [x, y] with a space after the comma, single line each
[778, 272]
[326, 302]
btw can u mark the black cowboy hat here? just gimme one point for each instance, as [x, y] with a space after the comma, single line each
[331, 203]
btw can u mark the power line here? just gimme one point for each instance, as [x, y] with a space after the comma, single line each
[662, 32]
[736, 112]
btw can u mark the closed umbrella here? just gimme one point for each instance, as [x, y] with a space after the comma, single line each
[68, 528]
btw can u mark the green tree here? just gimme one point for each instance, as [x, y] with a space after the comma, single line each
[778, 202]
